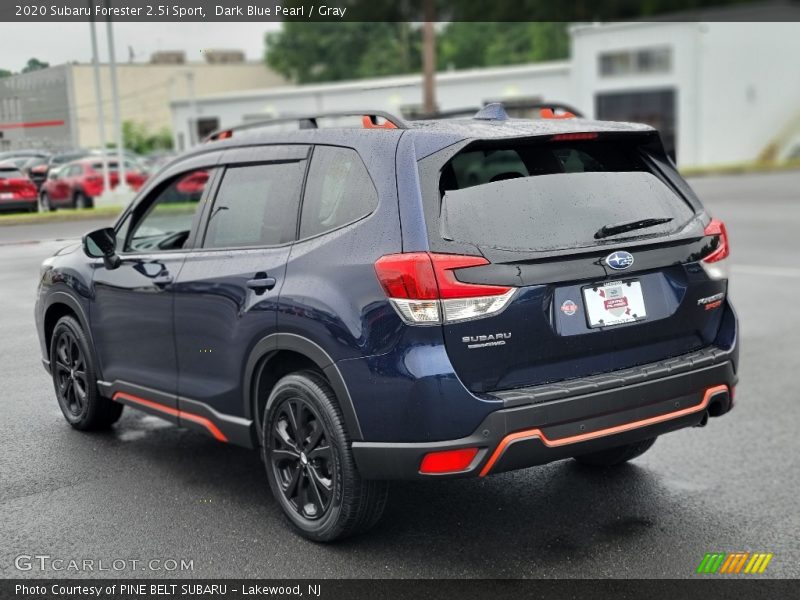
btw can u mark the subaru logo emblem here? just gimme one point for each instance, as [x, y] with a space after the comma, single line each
[619, 260]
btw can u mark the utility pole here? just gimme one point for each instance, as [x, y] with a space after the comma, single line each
[192, 108]
[98, 97]
[429, 57]
[122, 185]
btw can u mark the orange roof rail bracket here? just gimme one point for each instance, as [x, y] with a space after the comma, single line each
[549, 113]
[371, 122]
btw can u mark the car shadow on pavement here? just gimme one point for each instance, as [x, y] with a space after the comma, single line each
[543, 517]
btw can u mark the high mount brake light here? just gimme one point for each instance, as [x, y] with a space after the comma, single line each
[424, 290]
[573, 137]
[715, 264]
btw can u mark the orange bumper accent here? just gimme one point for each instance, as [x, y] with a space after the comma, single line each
[174, 412]
[583, 437]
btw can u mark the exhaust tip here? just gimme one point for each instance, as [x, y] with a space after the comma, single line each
[703, 420]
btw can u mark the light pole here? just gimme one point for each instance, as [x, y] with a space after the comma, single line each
[98, 97]
[122, 185]
[193, 109]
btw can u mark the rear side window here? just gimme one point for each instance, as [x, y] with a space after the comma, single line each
[533, 197]
[256, 205]
[338, 191]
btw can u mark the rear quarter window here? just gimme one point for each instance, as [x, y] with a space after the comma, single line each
[338, 191]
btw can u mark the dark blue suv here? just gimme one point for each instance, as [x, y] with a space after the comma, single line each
[401, 300]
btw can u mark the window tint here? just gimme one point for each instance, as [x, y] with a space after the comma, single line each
[256, 206]
[338, 191]
[553, 196]
[9, 173]
[168, 219]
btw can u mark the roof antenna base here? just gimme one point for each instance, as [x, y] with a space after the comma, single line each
[492, 112]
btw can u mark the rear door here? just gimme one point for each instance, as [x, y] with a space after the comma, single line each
[599, 244]
[227, 293]
[58, 187]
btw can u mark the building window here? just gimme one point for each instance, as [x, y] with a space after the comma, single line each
[646, 61]
[206, 126]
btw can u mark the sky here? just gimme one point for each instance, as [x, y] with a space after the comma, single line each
[58, 43]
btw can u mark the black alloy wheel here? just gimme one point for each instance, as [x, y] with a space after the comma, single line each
[302, 459]
[70, 374]
[75, 379]
[310, 464]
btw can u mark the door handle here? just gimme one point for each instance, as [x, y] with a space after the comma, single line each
[162, 280]
[260, 284]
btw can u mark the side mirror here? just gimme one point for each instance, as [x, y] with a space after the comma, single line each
[102, 243]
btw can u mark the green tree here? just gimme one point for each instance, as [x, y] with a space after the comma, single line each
[315, 52]
[467, 45]
[136, 137]
[5, 73]
[34, 64]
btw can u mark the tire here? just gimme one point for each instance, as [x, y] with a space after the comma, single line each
[74, 379]
[321, 494]
[82, 201]
[616, 456]
[44, 202]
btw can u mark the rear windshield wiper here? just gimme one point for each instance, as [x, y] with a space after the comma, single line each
[609, 230]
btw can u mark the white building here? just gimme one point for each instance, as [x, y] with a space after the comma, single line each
[720, 92]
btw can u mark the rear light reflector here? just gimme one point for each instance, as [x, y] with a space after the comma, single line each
[715, 264]
[424, 289]
[447, 461]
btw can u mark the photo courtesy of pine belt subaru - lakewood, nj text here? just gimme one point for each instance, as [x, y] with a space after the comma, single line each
[365, 299]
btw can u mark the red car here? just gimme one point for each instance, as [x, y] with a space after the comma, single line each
[77, 184]
[17, 192]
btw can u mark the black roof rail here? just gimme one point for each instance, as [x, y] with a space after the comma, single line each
[369, 120]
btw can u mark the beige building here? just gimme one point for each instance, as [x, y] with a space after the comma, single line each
[55, 108]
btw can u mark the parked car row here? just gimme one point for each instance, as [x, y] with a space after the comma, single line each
[36, 180]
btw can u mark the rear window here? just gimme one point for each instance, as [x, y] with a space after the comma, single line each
[7, 173]
[554, 196]
[98, 166]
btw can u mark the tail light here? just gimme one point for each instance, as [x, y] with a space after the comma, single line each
[424, 290]
[715, 264]
[29, 189]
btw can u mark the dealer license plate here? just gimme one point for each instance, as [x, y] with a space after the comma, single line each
[614, 303]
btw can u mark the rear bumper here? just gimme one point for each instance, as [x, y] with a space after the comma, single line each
[18, 204]
[586, 416]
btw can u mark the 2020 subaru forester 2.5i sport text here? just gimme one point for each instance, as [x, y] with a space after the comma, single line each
[401, 300]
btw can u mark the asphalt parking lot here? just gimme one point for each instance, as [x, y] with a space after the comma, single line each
[150, 490]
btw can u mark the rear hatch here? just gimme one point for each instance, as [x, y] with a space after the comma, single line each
[14, 185]
[600, 243]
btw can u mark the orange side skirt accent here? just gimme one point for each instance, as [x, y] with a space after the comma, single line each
[174, 412]
[574, 439]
